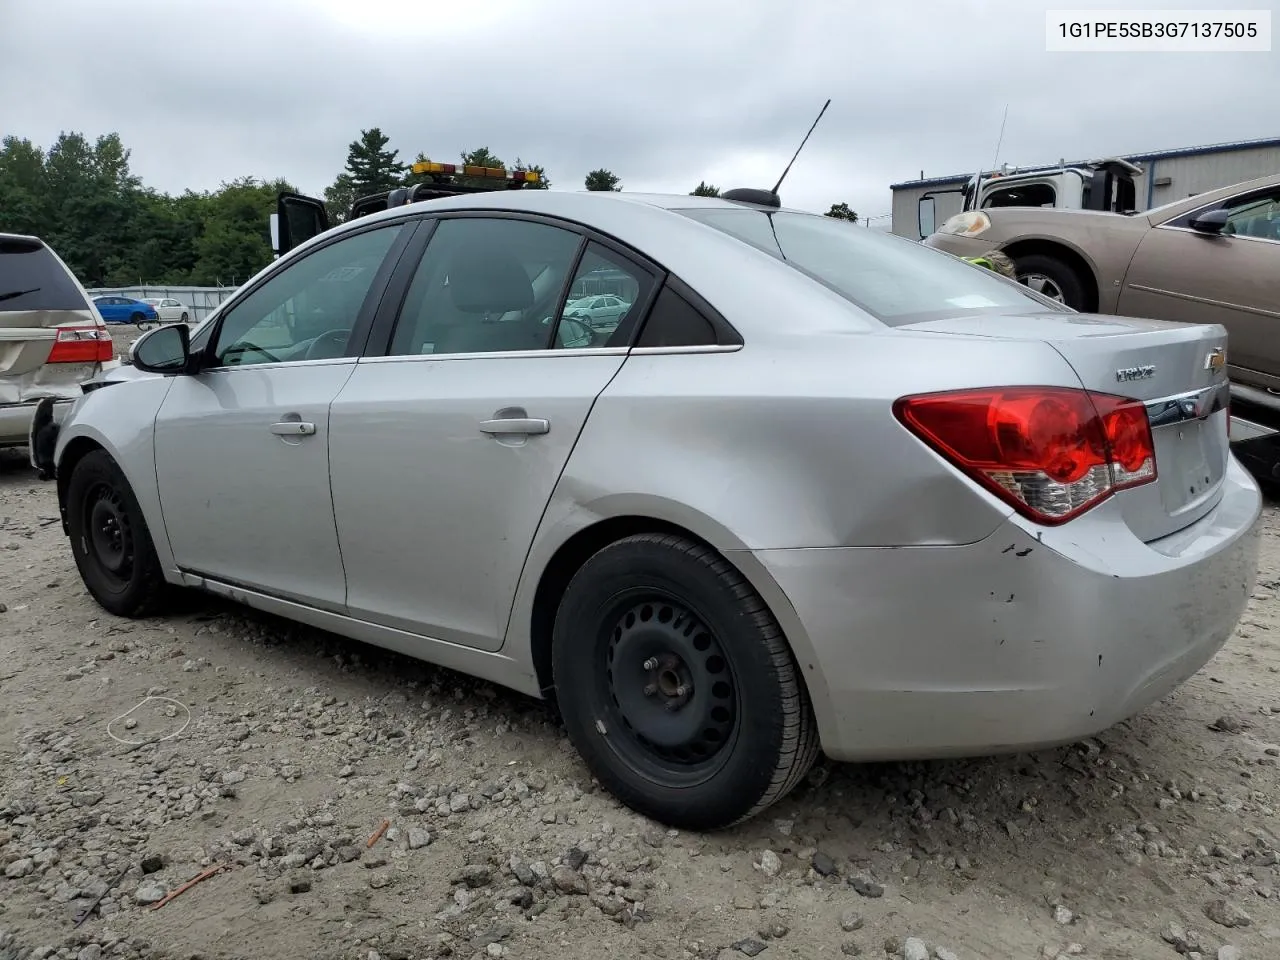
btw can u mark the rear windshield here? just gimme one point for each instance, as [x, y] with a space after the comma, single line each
[895, 280]
[31, 278]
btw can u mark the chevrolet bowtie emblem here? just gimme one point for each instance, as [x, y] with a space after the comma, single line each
[1216, 360]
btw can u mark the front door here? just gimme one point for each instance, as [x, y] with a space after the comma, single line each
[445, 452]
[1231, 278]
[242, 447]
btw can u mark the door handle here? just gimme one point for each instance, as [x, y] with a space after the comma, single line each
[293, 428]
[521, 426]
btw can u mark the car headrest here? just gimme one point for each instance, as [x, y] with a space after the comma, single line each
[484, 278]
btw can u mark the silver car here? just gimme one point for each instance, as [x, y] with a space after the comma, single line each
[52, 339]
[821, 490]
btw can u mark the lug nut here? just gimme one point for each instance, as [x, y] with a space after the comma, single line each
[681, 690]
[651, 663]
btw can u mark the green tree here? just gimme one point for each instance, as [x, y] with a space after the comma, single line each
[24, 194]
[704, 189]
[841, 211]
[371, 168]
[92, 203]
[236, 240]
[603, 180]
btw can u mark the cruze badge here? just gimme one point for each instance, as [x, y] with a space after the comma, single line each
[1129, 374]
[1216, 360]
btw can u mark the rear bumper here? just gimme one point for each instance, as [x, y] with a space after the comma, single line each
[1024, 640]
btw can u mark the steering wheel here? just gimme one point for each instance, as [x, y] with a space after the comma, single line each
[336, 336]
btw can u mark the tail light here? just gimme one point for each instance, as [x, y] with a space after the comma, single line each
[82, 345]
[1050, 452]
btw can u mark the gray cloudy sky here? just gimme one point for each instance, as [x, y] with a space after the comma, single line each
[663, 92]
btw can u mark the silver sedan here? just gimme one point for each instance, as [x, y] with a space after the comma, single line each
[821, 490]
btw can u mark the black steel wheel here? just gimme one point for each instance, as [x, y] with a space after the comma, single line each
[110, 540]
[677, 686]
[669, 686]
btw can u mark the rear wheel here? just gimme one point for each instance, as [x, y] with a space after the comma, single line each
[110, 540]
[184, 317]
[140, 321]
[1053, 278]
[677, 686]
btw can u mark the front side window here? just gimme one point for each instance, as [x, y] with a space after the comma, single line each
[307, 310]
[1258, 216]
[897, 281]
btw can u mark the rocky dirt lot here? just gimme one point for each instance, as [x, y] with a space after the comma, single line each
[354, 804]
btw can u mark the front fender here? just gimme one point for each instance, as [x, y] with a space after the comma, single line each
[120, 419]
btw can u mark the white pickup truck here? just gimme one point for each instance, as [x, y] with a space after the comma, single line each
[1106, 184]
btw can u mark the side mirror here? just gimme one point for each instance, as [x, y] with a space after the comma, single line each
[1212, 221]
[163, 350]
[925, 215]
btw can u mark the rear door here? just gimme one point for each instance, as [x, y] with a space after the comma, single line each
[1231, 278]
[41, 301]
[445, 450]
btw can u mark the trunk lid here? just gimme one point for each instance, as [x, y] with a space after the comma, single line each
[1178, 370]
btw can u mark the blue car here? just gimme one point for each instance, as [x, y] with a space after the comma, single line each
[126, 310]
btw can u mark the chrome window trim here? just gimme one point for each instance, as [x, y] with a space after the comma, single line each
[1224, 236]
[566, 352]
[320, 362]
[500, 354]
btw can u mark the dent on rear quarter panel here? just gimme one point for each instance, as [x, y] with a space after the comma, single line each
[121, 419]
[789, 442]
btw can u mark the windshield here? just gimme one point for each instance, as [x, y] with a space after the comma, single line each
[895, 280]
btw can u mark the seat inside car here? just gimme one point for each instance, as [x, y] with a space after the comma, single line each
[460, 308]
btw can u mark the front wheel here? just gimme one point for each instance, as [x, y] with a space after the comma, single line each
[184, 317]
[110, 540]
[677, 686]
[140, 321]
[1053, 278]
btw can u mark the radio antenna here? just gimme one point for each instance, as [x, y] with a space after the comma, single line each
[801, 147]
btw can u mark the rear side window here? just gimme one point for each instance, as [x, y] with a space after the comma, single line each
[32, 278]
[675, 322]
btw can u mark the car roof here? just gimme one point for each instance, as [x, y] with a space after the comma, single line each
[20, 236]
[584, 205]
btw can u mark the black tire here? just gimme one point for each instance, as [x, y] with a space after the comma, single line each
[110, 540]
[1062, 274]
[649, 596]
[184, 318]
[139, 320]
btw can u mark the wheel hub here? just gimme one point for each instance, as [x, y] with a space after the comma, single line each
[108, 534]
[670, 682]
[1043, 285]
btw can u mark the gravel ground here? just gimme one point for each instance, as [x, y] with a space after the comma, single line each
[277, 753]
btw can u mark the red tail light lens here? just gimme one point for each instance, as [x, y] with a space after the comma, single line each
[82, 345]
[1050, 452]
